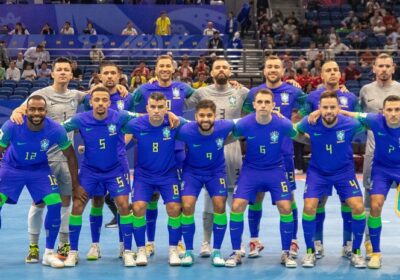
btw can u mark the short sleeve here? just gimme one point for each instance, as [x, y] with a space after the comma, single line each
[61, 138]
[302, 126]
[248, 102]
[81, 96]
[288, 128]
[6, 134]
[188, 90]
[132, 127]
[238, 130]
[72, 123]
[126, 116]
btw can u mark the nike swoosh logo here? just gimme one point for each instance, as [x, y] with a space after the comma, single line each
[317, 134]
[284, 195]
[381, 134]
[354, 192]
[89, 128]
[143, 133]
[21, 143]
[121, 190]
[54, 188]
[251, 137]
[369, 100]
[196, 145]
[220, 228]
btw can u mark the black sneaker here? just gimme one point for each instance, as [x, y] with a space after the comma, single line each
[112, 224]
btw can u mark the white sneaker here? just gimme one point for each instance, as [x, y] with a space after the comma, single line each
[187, 259]
[181, 249]
[216, 258]
[121, 249]
[205, 250]
[141, 257]
[50, 259]
[94, 252]
[319, 249]
[309, 260]
[72, 259]
[358, 261]
[150, 249]
[129, 258]
[287, 260]
[346, 250]
[234, 259]
[174, 259]
[242, 250]
[255, 248]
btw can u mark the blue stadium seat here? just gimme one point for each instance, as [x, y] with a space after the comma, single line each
[16, 97]
[25, 83]
[21, 91]
[364, 82]
[73, 85]
[346, 8]
[336, 16]
[355, 90]
[352, 84]
[40, 83]
[33, 89]
[3, 97]
[10, 83]
[325, 24]
[323, 15]
[6, 91]
[311, 15]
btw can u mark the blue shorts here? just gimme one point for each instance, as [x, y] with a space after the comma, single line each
[252, 181]
[97, 183]
[39, 182]
[168, 188]
[125, 165]
[215, 184]
[382, 179]
[319, 185]
[289, 167]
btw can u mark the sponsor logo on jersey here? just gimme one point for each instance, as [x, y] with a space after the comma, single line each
[120, 105]
[112, 129]
[285, 98]
[274, 136]
[340, 136]
[175, 93]
[220, 143]
[44, 145]
[166, 133]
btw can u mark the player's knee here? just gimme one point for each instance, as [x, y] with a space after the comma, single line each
[219, 207]
[139, 209]
[173, 209]
[357, 208]
[310, 209]
[284, 207]
[238, 206]
[187, 208]
[376, 207]
[66, 200]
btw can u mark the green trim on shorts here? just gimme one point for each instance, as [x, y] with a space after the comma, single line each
[3, 199]
[320, 210]
[256, 206]
[75, 220]
[345, 208]
[374, 222]
[236, 217]
[126, 220]
[96, 211]
[52, 199]
[174, 222]
[286, 218]
[309, 218]
[139, 221]
[66, 146]
[220, 219]
[294, 205]
[152, 205]
[187, 220]
[359, 217]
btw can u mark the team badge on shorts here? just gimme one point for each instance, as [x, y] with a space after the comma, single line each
[232, 100]
[120, 105]
[220, 143]
[112, 129]
[285, 98]
[166, 133]
[182, 185]
[344, 102]
[175, 93]
[340, 135]
[274, 136]
[44, 145]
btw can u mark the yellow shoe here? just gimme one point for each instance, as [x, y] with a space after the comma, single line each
[376, 261]
[181, 249]
[150, 249]
[368, 249]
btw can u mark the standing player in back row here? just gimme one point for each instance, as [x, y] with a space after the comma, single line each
[287, 98]
[25, 163]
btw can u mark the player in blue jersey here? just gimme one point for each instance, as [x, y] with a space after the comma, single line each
[332, 164]
[175, 93]
[25, 163]
[330, 75]
[155, 171]
[263, 171]
[385, 167]
[204, 165]
[287, 98]
[109, 75]
[100, 131]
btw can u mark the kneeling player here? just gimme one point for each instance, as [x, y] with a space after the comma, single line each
[25, 163]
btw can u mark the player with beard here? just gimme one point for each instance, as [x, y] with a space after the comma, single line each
[331, 164]
[229, 102]
[371, 99]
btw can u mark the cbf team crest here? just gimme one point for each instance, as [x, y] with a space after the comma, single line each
[340, 136]
[344, 102]
[175, 93]
[285, 98]
[120, 105]
[166, 133]
[44, 145]
[274, 137]
[220, 143]
[232, 100]
[112, 129]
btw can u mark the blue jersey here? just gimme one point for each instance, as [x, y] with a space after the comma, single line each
[387, 147]
[27, 149]
[331, 147]
[347, 101]
[176, 93]
[205, 154]
[156, 156]
[286, 98]
[118, 103]
[101, 138]
[264, 142]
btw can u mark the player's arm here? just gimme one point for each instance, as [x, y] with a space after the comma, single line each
[192, 100]
[18, 114]
[5, 136]
[77, 190]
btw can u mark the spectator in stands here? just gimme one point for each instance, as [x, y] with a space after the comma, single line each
[4, 58]
[373, 21]
[350, 20]
[316, 68]
[367, 58]
[201, 67]
[44, 56]
[301, 63]
[142, 70]
[29, 73]
[174, 63]
[47, 30]
[395, 34]
[96, 55]
[20, 61]
[44, 71]
[390, 21]
[338, 47]
[390, 46]
[216, 43]
[372, 6]
[281, 39]
[290, 27]
[351, 72]
[292, 17]
[290, 74]
[13, 73]
[201, 81]
[19, 30]
[4, 29]
[32, 55]
[67, 29]
[312, 52]
[163, 25]
[294, 39]
[231, 25]
[320, 38]
[332, 35]
[244, 18]
[209, 30]
[305, 28]
[89, 29]
[185, 70]
[379, 29]
[95, 80]
[305, 79]
[77, 73]
[136, 81]
[262, 17]
[235, 43]
[357, 38]
[129, 29]
[344, 30]
[269, 44]
[2, 73]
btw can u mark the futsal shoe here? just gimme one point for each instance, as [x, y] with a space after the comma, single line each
[205, 250]
[358, 261]
[49, 259]
[141, 257]
[216, 258]
[33, 254]
[255, 248]
[72, 259]
[63, 250]
[129, 258]
[150, 249]
[376, 261]
[174, 259]
[187, 259]
[319, 249]
[234, 259]
[94, 252]
[287, 260]
[309, 260]
[294, 249]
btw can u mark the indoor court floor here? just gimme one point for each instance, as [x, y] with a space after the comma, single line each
[13, 240]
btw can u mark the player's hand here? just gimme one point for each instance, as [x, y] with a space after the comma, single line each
[17, 117]
[235, 84]
[123, 92]
[277, 113]
[293, 83]
[81, 149]
[314, 116]
[174, 121]
[343, 88]
[152, 80]
[80, 194]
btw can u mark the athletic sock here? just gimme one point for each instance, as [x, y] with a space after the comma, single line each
[52, 224]
[219, 229]
[151, 218]
[236, 229]
[188, 230]
[309, 224]
[358, 227]
[375, 228]
[347, 220]
[286, 230]
[295, 219]
[319, 224]
[126, 226]
[174, 230]
[254, 215]
[75, 226]
[96, 221]
[139, 230]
